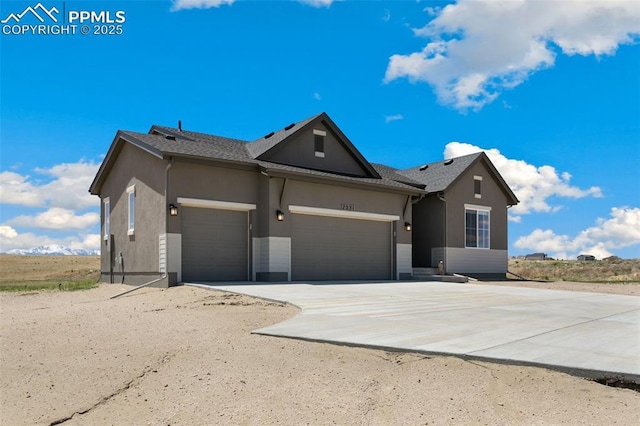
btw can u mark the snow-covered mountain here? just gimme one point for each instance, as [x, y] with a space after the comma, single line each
[54, 250]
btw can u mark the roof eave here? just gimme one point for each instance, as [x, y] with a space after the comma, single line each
[120, 138]
[345, 182]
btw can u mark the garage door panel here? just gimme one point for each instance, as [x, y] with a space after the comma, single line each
[327, 248]
[214, 245]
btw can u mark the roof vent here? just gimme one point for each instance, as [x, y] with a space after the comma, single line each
[423, 168]
[446, 163]
[170, 137]
[269, 135]
[290, 126]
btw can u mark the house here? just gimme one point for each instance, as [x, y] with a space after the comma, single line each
[587, 257]
[462, 219]
[536, 256]
[300, 203]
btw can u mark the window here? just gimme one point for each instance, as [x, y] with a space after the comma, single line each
[131, 192]
[107, 218]
[477, 227]
[477, 186]
[318, 142]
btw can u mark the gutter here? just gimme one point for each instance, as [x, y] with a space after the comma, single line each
[444, 219]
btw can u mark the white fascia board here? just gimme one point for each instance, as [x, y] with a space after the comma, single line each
[214, 204]
[317, 211]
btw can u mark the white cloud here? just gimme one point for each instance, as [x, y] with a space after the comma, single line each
[532, 185]
[317, 3]
[10, 239]
[621, 230]
[88, 242]
[7, 232]
[68, 189]
[317, 96]
[14, 189]
[390, 118]
[61, 191]
[198, 4]
[478, 48]
[57, 218]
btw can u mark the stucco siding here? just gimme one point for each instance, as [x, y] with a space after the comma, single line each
[209, 182]
[492, 196]
[300, 152]
[140, 250]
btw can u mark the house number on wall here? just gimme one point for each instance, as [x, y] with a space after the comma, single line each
[348, 207]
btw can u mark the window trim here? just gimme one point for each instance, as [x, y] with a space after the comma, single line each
[319, 152]
[106, 211]
[131, 202]
[476, 208]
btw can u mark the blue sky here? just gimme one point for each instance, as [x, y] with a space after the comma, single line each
[549, 89]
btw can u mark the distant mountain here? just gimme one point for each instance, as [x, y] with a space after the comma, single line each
[54, 250]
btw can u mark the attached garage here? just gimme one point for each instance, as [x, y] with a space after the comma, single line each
[214, 244]
[340, 248]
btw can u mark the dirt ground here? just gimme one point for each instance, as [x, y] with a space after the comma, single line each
[186, 356]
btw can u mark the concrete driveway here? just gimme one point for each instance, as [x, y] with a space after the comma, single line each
[589, 334]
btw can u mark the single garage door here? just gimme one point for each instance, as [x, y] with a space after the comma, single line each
[214, 244]
[328, 248]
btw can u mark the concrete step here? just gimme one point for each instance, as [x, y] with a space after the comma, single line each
[441, 278]
[425, 271]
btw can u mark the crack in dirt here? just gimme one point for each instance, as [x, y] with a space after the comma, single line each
[148, 369]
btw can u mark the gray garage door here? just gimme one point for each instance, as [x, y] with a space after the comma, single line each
[214, 245]
[327, 248]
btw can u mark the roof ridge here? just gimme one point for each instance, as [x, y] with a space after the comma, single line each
[186, 133]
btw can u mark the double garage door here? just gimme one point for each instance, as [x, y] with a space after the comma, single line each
[214, 245]
[330, 248]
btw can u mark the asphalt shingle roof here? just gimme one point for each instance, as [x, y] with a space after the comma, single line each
[167, 141]
[193, 144]
[264, 144]
[440, 175]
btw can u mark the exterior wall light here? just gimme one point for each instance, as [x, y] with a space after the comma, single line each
[407, 226]
[173, 210]
[279, 215]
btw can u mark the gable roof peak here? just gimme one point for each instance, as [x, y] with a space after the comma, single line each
[439, 176]
[261, 145]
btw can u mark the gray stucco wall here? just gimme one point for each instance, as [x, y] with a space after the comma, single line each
[462, 193]
[334, 197]
[140, 251]
[300, 151]
[208, 182]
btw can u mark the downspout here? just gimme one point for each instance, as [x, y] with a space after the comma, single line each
[166, 225]
[444, 220]
[284, 186]
[139, 287]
